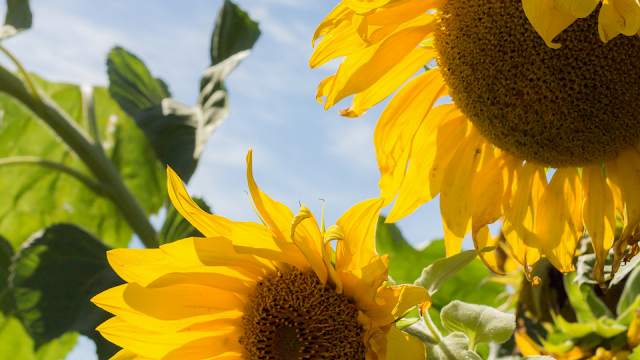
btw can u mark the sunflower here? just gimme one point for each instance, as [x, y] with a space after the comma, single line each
[260, 291]
[541, 89]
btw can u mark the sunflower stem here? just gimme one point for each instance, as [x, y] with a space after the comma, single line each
[87, 150]
[435, 333]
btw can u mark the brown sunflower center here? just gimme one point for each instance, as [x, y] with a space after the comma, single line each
[572, 106]
[293, 316]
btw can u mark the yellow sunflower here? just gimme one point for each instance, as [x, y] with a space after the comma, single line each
[529, 101]
[260, 291]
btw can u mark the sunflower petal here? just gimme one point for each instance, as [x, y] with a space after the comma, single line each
[432, 148]
[341, 41]
[618, 17]
[624, 174]
[389, 82]
[559, 221]
[397, 126]
[188, 345]
[363, 6]
[307, 237]
[324, 87]
[214, 252]
[455, 198]
[364, 68]
[546, 20]
[519, 223]
[492, 188]
[358, 224]
[277, 216]
[398, 299]
[125, 354]
[577, 8]
[402, 346]
[184, 305]
[339, 14]
[599, 215]
[258, 240]
[209, 225]
[361, 285]
[401, 11]
[481, 239]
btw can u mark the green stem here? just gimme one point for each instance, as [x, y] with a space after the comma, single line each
[25, 74]
[432, 327]
[93, 156]
[89, 114]
[97, 187]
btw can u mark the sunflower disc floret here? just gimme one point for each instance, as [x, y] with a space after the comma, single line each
[572, 106]
[293, 315]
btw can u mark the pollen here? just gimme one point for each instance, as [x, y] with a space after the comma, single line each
[294, 316]
[573, 106]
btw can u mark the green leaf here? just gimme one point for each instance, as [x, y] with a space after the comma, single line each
[15, 343]
[625, 317]
[406, 264]
[635, 355]
[630, 294]
[19, 18]
[481, 324]
[453, 346]
[405, 323]
[578, 299]
[6, 297]
[573, 330]
[434, 275]
[177, 132]
[56, 273]
[176, 227]
[169, 125]
[586, 263]
[608, 328]
[34, 197]
[57, 349]
[234, 32]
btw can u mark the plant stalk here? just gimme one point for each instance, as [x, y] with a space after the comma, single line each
[81, 143]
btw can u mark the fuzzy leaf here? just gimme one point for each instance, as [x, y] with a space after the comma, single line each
[453, 346]
[481, 324]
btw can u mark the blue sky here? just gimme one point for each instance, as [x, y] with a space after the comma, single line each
[301, 153]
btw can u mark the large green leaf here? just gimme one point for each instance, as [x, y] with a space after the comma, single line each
[406, 264]
[55, 274]
[177, 132]
[18, 18]
[481, 324]
[16, 344]
[176, 227]
[234, 32]
[34, 197]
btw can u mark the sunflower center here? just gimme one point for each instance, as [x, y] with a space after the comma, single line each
[572, 106]
[293, 316]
